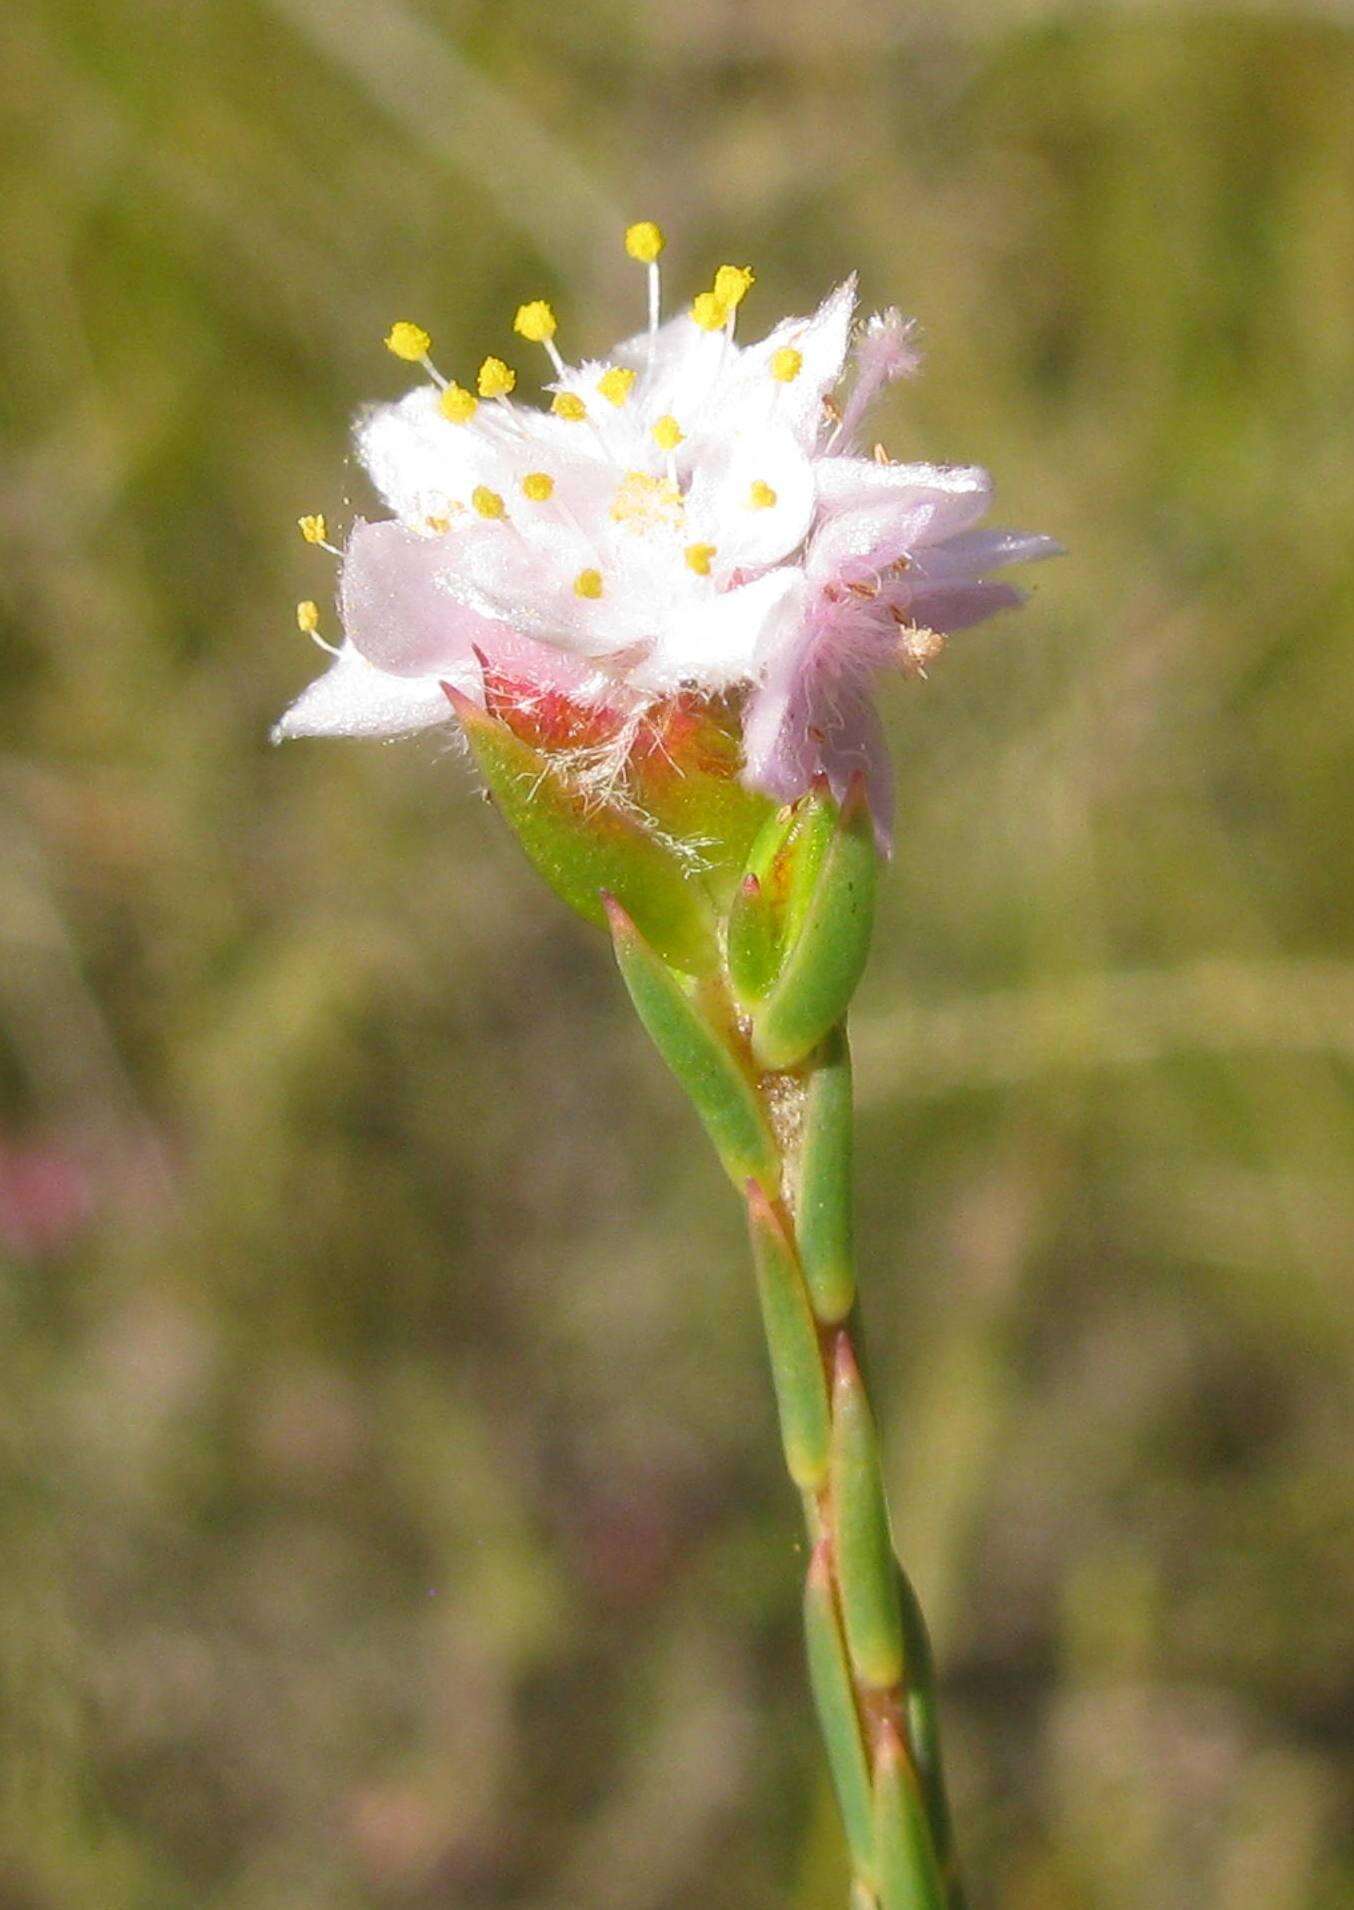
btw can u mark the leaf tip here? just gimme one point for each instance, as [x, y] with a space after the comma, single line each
[467, 709]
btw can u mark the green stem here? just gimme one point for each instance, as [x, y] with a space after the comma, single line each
[784, 1135]
[869, 1659]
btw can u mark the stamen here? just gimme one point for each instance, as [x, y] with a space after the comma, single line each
[732, 285]
[786, 364]
[488, 503]
[308, 623]
[615, 384]
[409, 342]
[698, 558]
[538, 486]
[668, 432]
[457, 404]
[761, 497]
[588, 583]
[708, 311]
[496, 379]
[568, 404]
[536, 321]
[412, 344]
[315, 531]
[644, 241]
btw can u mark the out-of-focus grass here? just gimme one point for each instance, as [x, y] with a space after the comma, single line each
[389, 1503]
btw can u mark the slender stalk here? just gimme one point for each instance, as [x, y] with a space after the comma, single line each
[869, 1658]
[758, 1044]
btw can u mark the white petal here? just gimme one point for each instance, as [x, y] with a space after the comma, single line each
[678, 369]
[420, 462]
[721, 509]
[354, 698]
[722, 637]
[822, 340]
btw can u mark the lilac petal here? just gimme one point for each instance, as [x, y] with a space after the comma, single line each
[874, 513]
[886, 351]
[975, 553]
[394, 609]
[956, 606]
[804, 718]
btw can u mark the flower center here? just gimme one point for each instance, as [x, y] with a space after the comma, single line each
[644, 503]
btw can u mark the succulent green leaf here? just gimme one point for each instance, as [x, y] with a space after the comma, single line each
[582, 845]
[752, 944]
[824, 1192]
[923, 1727]
[866, 1569]
[784, 861]
[792, 1340]
[909, 1874]
[838, 1718]
[684, 770]
[698, 1051]
[826, 957]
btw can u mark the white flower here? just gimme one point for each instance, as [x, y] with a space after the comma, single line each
[685, 516]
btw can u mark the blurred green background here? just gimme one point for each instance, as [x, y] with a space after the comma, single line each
[390, 1508]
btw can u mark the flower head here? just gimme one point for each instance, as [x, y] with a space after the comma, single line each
[688, 516]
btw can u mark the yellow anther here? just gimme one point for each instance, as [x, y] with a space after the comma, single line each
[308, 617]
[698, 558]
[732, 285]
[615, 384]
[458, 404]
[313, 529]
[668, 432]
[538, 486]
[496, 379]
[761, 497]
[535, 321]
[644, 241]
[439, 526]
[588, 583]
[488, 503]
[568, 404]
[709, 312]
[408, 341]
[786, 364]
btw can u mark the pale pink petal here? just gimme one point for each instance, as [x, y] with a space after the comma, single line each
[873, 514]
[395, 610]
